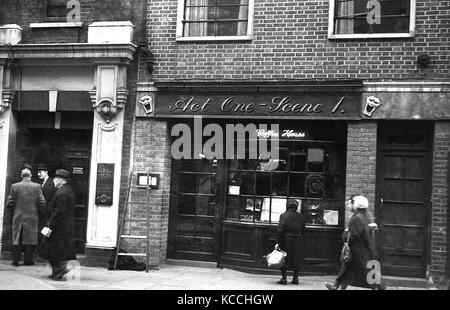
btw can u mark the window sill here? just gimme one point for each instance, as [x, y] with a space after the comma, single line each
[56, 25]
[212, 39]
[371, 36]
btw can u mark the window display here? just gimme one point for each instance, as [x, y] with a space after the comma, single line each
[309, 172]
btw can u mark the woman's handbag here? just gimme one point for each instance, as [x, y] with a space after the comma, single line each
[346, 254]
[277, 258]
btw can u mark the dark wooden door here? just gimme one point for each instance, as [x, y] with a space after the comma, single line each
[77, 162]
[403, 211]
[194, 217]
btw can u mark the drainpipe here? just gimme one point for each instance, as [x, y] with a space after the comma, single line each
[447, 261]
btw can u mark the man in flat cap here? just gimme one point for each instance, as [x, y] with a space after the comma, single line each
[48, 190]
[59, 245]
[290, 232]
[25, 201]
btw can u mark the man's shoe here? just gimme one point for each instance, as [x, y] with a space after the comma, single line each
[16, 264]
[28, 263]
[282, 282]
[59, 276]
[294, 281]
[331, 286]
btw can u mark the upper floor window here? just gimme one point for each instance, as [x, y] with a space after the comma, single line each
[55, 10]
[214, 19]
[371, 18]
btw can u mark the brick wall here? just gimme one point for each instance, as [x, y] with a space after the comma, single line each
[440, 199]
[361, 162]
[24, 12]
[152, 152]
[290, 42]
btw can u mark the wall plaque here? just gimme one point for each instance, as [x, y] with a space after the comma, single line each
[105, 185]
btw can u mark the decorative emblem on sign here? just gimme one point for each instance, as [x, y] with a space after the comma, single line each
[147, 103]
[372, 104]
[314, 185]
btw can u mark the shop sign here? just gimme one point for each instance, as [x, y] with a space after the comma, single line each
[286, 134]
[336, 106]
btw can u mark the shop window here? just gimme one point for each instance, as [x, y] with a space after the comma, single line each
[56, 10]
[371, 18]
[312, 175]
[214, 19]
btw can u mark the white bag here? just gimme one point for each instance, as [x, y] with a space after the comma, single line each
[276, 259]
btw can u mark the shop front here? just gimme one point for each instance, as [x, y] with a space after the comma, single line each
[239, 152]
[62, 106]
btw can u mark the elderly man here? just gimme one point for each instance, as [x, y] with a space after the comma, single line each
[291, 228]
[25, 201]
[59, 245]
[48, 190]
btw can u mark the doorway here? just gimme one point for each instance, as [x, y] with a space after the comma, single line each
[69, 149]
[403, 206]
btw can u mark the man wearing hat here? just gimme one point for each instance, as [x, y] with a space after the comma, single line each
[59, 245]
[25, 201]
[290, 232]
[48, 190]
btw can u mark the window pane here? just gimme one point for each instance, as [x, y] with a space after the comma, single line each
[186, 204]
[351, 17]
[298, 161]
[233, 2]
[188, 183]
[248, 183]
[279, 184]
[204, 184]
[315, 160]
[232, 207]
[232, 12]
[297, 185]
[332, 187]
[204, 206]
[56, 8]
[262, 183]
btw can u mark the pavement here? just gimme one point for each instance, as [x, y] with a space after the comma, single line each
[168, 277]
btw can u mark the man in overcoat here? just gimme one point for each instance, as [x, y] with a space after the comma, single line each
[291, 228]
[48, 190]
[25, 201]
[59, 245]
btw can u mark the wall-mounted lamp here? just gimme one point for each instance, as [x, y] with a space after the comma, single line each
[148, 56]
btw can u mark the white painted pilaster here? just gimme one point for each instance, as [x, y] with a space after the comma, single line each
[106, 149]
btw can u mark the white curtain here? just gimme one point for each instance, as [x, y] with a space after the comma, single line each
[345, 8]
[198, 13]
[243, 14]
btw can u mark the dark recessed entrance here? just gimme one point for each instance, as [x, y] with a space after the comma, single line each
[68, 148]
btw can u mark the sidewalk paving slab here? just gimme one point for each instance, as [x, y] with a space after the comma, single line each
[168, 277]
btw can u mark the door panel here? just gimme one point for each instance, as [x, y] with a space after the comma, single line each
[194, 212]
[403, 211]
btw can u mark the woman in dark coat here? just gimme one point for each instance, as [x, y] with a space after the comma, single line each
[59, 247]
[290, 232]
[361, 246]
